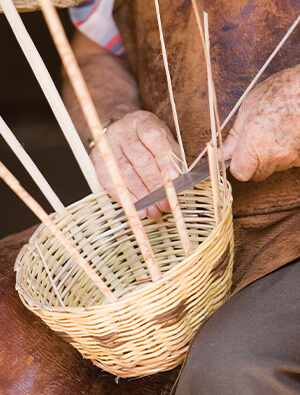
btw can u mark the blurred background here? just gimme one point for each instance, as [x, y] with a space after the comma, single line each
[26, 111]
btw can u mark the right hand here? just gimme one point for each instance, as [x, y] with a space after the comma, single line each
[141, 144]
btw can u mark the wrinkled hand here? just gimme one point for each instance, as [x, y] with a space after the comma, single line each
[141, 144]
[266, 134]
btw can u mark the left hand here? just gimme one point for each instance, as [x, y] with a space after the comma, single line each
[266, 134]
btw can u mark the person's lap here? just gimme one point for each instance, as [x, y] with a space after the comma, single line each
[252, 343]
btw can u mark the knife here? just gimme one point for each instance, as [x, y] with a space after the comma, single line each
[181, 183]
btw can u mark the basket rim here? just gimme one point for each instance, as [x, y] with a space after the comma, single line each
[126, 299]
[26, 6]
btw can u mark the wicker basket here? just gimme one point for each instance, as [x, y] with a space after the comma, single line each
[33, 5]
[150, 327]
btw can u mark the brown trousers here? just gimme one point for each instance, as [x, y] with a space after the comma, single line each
[251, 345]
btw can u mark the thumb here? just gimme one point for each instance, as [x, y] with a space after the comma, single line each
[230, 143]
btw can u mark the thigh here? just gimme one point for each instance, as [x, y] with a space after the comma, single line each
[251, 345]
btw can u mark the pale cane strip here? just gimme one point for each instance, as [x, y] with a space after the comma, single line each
[177, 213]
[34, 206]
[48, 87]
[210, 77]
[170, 89]
[94, 123]
[213, 171]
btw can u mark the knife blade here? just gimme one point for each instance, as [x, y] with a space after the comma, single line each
[181, 183]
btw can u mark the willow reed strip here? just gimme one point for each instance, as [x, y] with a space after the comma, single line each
[48, 87]
[214, 166]
[170, 89]
[210, 94]
[94, 123]
[177, 214]
[253, 82]
[213, 99]
[210, 83]
[31, 167]
[49, 274]
[212, 160]
[210, 77]
[34, 206]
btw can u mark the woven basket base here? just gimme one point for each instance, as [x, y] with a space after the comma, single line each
[151, 325]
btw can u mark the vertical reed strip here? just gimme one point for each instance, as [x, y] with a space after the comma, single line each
[96, 128]
[210, 84]
[31, 167]
[34, 206]
[173, 105]
[51, 93]
[266, 64]
[206, 54]
[212, 160]
[215, 166]
[213, 98]
[49, 274]
[177, 213]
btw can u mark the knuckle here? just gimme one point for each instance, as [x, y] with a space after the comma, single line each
[154, 184]
[114, 132]
[127, 171]
[153, 135]
[163, 157]
[145, 115]
[158, 133]
[141, 117]
[143, 160]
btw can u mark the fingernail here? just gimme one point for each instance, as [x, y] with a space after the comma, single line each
[142, 214]
[164, 205]
[153, 212]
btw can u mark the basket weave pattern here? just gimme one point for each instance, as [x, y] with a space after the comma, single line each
[149, 328]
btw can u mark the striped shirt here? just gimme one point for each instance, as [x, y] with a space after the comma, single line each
[94, 18]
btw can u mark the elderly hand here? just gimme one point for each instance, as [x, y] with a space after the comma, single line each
[266, 134]
[141, 144]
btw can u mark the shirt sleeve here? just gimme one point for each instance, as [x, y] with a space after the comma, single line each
[94, 18]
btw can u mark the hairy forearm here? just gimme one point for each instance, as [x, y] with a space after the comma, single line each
[110, 82]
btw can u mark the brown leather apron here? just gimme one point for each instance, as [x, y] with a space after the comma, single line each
[243, 34]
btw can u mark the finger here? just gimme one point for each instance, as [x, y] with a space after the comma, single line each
[126, 171]
[144, 164]
[244, 162]
[160, 144]
[234, 135]
[102, 174]
[141, 163]
[155, 137]
[230, 143]
[263, 173]
[153, 212]
[172, 142]
[164, 205]
[158, 138]
[136, 186]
